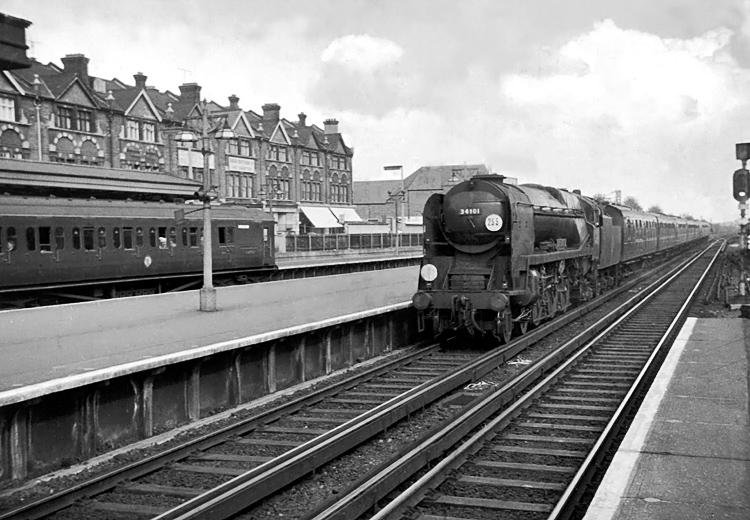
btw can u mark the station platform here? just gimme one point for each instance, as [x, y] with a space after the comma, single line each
[687, 454]
[49, 349]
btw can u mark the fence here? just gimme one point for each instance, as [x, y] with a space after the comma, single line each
[296, 243]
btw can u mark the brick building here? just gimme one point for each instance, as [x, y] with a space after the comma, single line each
[300, 172]
[373, 200]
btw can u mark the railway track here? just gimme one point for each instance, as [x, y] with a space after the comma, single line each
[242, 464]
[535, 458]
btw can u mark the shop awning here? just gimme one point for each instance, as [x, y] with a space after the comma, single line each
[346, 215]
[321, 216]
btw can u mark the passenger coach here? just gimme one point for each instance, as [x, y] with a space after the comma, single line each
[54, 242]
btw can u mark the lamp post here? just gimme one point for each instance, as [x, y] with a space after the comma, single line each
[270, 190]
[397, 197]
[208, 291]
[110, 99]
[38, 106]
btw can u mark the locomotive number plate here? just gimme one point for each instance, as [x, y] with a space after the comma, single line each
[469, 211]
[493, 222]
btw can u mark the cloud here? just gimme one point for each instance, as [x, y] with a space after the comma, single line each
[362, 53]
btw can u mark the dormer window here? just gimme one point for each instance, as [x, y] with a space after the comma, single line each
[65, 118]
[278, 153]
[85, 117]
[69, 118]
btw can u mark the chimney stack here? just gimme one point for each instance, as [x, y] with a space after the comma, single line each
[140, 80]
[302, 118]
[77, 64]
[234, 102]
[331, 126]
[191, 92]
[271, 113]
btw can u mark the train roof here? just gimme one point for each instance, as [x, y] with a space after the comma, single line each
[12, 205]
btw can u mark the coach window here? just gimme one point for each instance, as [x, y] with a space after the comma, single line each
[88, 238]
[12, 242]
[139, 237]
[193, 237]
[184, 237]
[102, 238]
[76, 238]
[60, 237]
[127, 238]
[152, 237]
[172, 237]
[162, 237]
[45, 239]
[226, 236]
[116, 238]
[30, 239]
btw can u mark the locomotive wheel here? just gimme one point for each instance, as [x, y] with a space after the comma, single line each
[504, 326]
[521, 327]
[563, 297]
[551, 303]
[536, 313]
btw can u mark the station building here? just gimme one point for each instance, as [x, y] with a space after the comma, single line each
[66, 132]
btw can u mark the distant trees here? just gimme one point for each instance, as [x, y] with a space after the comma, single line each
[633, 203]
[655, 209]
[599, 197]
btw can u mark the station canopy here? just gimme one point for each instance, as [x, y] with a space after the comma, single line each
[321, 216]
[346, 215]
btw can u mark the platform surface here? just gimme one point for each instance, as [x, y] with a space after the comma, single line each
[47, 343]
[687, 453]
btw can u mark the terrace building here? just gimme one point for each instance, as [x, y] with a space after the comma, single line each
[300, 172]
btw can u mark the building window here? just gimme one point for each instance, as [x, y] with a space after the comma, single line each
[149, 132]
[132, 130]
[7, 109]
[233, 147]
[278, 153]
[245, 148]
[85, 120]
[65, 118]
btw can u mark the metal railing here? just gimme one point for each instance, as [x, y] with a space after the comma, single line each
[340, 242]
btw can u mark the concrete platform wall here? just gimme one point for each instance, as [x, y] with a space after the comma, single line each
[54, 430]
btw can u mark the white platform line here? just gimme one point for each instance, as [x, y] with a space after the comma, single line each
[616, 481]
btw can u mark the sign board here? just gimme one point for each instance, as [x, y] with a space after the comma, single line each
[193, 158]
[240, 164]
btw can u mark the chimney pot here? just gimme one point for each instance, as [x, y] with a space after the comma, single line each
[140, 80]
[331, 126]
[191, 92]
[76, 64]
[234, 102]
[302, 118]
[271, 112]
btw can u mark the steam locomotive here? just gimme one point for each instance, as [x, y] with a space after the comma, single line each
[92, 248]
[499, 258]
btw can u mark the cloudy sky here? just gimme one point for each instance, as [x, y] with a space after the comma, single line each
[647, 97]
